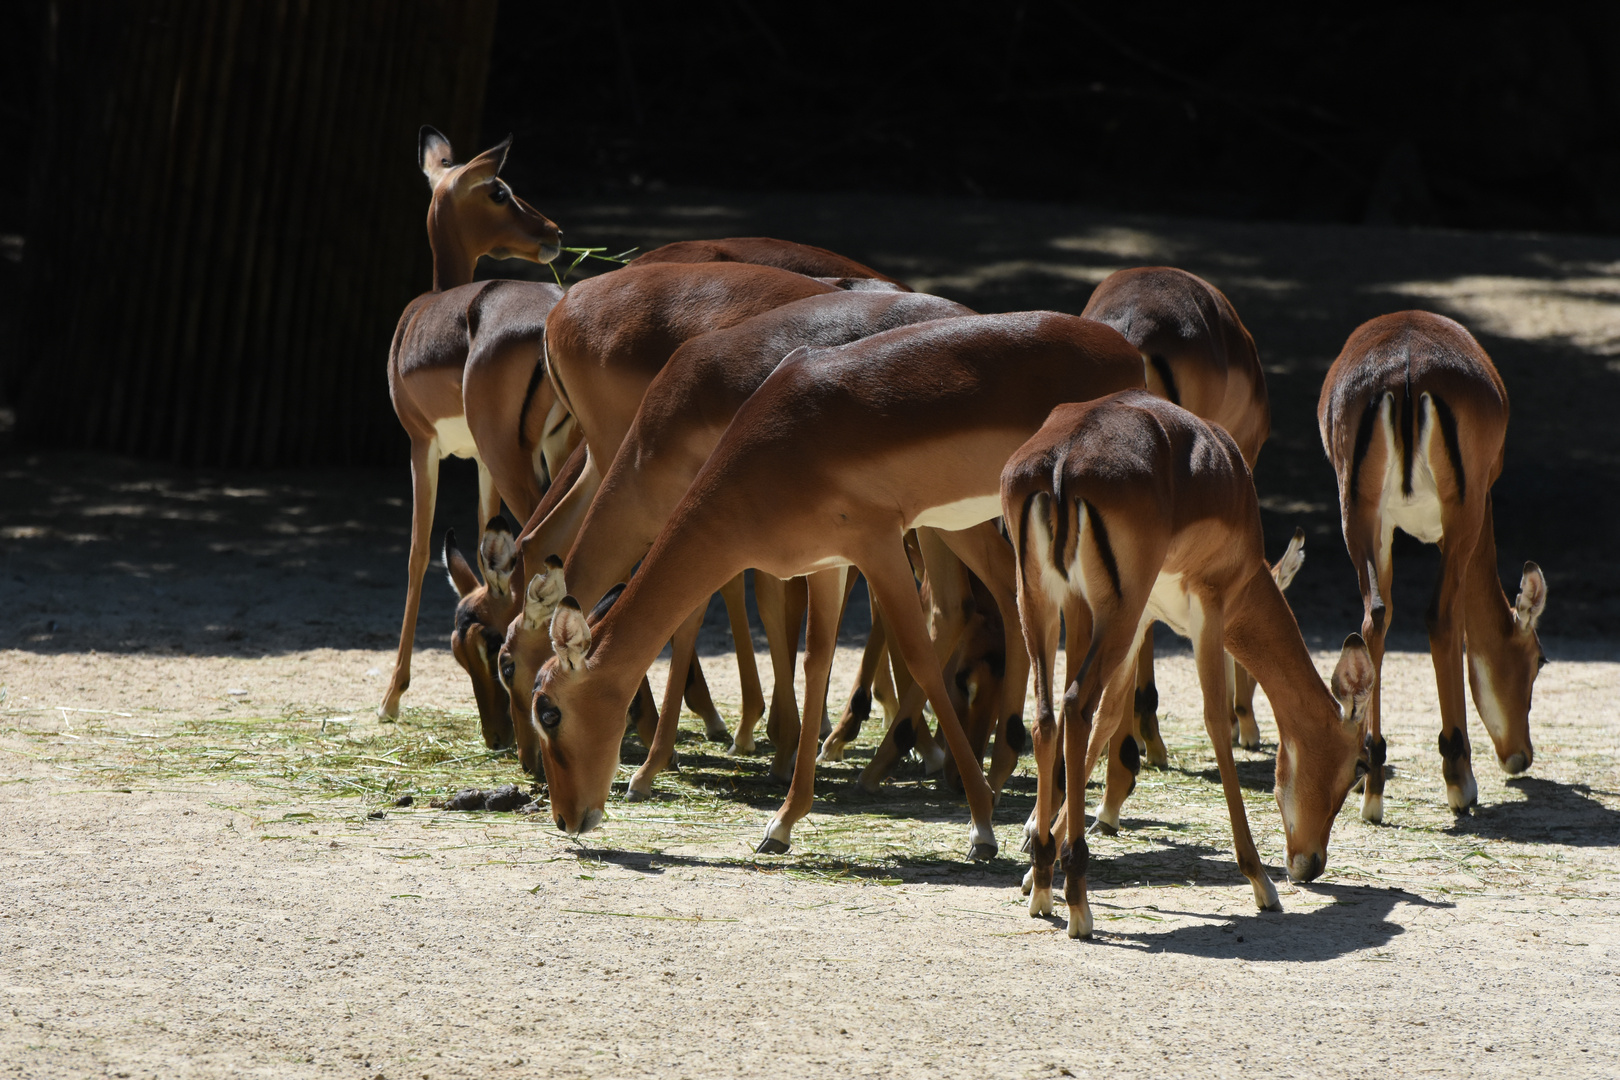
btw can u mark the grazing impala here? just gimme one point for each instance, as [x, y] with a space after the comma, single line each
[473, 212]
[1197, 354]
[1413, 416]
[1132, 509]
[825, 467]
[604, 344]
[524, 431]
[685, 411]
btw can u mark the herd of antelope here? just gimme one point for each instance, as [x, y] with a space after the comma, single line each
[1003, 482]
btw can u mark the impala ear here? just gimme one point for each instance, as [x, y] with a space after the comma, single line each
[462, 578]
[485, 166]
[497, 556]
[570, 635]
[1532, 599]
[1353, 680]
[1292, 559]
[433, 154]
[546, 589]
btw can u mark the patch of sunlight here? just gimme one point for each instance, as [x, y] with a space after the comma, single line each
[1583, 313]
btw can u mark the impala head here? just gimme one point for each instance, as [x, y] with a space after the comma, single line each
[1316, 763]
[474, 212]
[481, 618]
[580, 715]
[1503, 662]
[526, 648]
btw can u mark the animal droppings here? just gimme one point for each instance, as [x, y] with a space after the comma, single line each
[404, 800]
[507, 797]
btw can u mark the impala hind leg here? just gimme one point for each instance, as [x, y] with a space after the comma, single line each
[1445, 624]
[424, 494]
[662, 750]
[859, 708]
[1039, 624]
[643, 714]
[826, 601]
[1370, 551]
[1210, 656]
[700, 701]
[888, 572]
[742, 637]
[1145, 705]
[776, 612]
[1245, 728]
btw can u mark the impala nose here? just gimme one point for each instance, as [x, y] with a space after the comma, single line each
[1515, 764]
[1306, 866]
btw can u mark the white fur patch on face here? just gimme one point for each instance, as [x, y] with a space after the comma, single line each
[1485, 699]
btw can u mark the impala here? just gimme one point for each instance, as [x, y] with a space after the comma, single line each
[824, 468]
[472, 212]
[1413, 416]
[1132, 509]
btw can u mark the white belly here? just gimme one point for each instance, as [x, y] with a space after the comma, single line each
[963, 514]
[455, 438]
[1171, 604]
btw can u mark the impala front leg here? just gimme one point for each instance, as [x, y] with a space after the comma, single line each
[1040, 624]
[424, 494]
[1445, 622]
[826, 600]
[1371, 554]
[669, 719]
[1210, 655]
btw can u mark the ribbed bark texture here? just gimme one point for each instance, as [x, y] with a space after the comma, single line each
[226, 220]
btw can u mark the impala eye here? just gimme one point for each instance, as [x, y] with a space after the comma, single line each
[498, 193]
[508, 671]
[548, 714]
[1541, 661]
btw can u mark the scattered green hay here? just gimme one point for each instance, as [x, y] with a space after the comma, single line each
[707, 812]
[580, 254]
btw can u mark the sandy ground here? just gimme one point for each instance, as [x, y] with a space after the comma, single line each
[192, 884]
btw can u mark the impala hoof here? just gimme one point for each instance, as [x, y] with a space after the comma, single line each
[933, 760]
[982, 852]
[716, 732]
[1265, 893]
[771, 846]
[1515, 764]
[1462, 796]
[741, 746]
[1040, 902]
[637, 795]
[1028, 883]
[1372, 808]
[1106, 822]
[982, 845]
[831, 751]
[1080, 921]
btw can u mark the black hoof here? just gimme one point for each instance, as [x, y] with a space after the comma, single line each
[982, 852]
[1104, 828]
[771, 846]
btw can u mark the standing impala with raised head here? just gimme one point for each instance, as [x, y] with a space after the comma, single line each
[1128, 510]
[473, 212]
[1413, 416]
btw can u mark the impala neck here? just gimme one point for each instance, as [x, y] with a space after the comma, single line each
[677, 576]
[452, 264]
[1262, 635]
[1487, 611]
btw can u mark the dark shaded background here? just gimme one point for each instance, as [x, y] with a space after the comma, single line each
[1313, 163]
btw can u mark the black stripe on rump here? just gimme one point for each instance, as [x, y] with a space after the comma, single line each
[1448, 432]
[1057, 526]
[1408, 422]
[1104, 548]
[1168, 377]
[533, 388]
[1364, 432]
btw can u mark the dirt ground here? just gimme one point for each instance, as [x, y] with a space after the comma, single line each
[195, 881]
